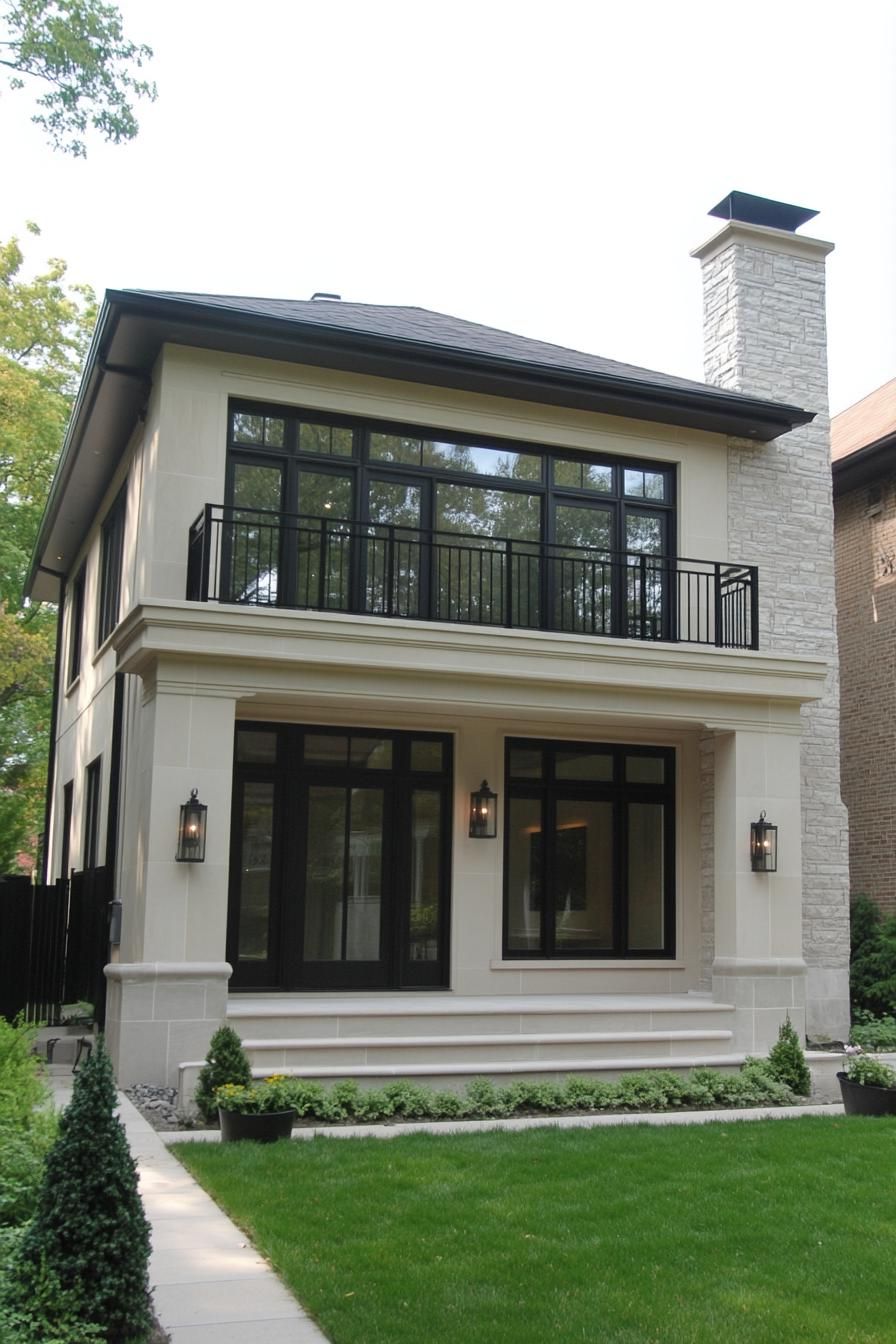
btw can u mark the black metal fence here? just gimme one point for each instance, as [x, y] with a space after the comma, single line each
[54, 943]
[265, 559]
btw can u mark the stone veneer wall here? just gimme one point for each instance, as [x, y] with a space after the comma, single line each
[764, 333]
[865, 551]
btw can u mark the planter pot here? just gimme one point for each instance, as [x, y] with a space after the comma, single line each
[862, 1099]
[265, 1128]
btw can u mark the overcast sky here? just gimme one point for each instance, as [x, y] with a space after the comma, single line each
[544, 168]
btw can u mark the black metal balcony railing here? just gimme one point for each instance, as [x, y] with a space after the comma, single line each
[265, 559]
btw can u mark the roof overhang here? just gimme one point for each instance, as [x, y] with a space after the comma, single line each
[132, 328]
[864, 465]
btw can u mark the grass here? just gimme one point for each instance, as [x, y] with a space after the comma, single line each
[769, 1232]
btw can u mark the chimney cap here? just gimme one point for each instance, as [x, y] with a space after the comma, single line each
[760, 210]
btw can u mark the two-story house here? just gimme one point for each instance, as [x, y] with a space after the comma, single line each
[335, 566]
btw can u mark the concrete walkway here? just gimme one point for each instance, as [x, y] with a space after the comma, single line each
[209, 1285]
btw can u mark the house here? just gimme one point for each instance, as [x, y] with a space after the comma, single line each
[863, 453]
[477, 749]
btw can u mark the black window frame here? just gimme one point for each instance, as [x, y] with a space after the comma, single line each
[362, 468]
[76, 626]
[68, 792]
[284, 967]
[111, 560]
[92, 812]
[549, 790]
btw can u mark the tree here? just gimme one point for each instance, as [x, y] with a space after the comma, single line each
[78, 51]
[44, 328]
[90, 1231]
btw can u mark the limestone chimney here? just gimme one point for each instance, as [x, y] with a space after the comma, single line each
[765, 335]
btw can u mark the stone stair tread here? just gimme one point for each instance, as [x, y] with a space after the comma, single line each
[241, 1008]
[483, 1039]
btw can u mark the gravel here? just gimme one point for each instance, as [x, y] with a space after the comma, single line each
[158, 1105]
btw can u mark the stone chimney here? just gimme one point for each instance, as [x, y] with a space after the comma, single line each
[765, 335]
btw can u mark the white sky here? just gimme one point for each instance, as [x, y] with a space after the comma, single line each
[545, 167]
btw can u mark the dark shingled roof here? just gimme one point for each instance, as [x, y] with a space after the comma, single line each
[436, 330]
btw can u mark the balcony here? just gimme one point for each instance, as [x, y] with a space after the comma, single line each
[259, 558]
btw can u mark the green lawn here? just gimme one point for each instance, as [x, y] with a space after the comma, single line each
[730, 1233]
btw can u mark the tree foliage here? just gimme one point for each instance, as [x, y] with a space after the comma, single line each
[44, 328]
[77, 51]
[90, 1230]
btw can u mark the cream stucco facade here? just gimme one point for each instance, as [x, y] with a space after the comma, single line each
[189, 672]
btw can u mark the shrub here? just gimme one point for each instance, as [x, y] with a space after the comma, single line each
[88, 1244]
[873, 1033]
[870, 1072]
[787, 1063]
[872, 971]
[226, 1062]
[27, 1124]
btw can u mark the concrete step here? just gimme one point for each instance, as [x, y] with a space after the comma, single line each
[450, 1038]
[479, 1050]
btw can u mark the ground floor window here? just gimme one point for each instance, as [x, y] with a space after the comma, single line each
[589, 850]
[340, 858]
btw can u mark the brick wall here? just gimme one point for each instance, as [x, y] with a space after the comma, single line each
[865, 551]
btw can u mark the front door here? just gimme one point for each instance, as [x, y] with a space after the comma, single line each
[339, 858]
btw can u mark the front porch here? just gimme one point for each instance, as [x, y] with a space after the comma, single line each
[666, 950]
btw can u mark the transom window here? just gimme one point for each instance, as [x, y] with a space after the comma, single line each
[589, 850]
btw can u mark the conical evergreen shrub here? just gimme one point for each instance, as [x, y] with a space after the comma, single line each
[90, 1233]
[226, 1062]
[787, 1062]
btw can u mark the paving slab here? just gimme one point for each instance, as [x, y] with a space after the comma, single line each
[210, 1285]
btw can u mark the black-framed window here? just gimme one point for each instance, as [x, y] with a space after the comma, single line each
[111, 554]
[589, 850]
[360, 515]
[340, 858]
[76, 626]
[68, 791]
[92, 780]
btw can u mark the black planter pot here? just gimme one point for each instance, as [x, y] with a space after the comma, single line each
[265, 1128]
[863, 1099]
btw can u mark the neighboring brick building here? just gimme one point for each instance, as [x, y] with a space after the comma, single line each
[863, 448]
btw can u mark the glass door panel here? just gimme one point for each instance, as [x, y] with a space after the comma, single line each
[250, 542]
[254, 895]
[395, 556]
[343, 889]
[425, 896]
[645, 577]
[324, 540]
[582, 568]
[480, 555]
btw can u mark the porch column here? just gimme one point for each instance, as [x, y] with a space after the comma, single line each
[758, 963]
[167, 992]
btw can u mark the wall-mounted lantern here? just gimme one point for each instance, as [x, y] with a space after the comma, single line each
[191, 831]
[483, 813]
[763, 846]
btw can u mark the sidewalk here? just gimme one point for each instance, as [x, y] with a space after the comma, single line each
[209, 1285]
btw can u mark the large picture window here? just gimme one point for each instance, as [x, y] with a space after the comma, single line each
[589, 850]
[357, 515]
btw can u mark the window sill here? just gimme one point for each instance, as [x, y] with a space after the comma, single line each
[578, 964]
[73, 685]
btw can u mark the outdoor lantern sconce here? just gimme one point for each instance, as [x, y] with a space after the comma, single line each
[483, 813]
[191, 831]
[763, 846]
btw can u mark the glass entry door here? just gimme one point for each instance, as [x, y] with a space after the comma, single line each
[340, 858]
